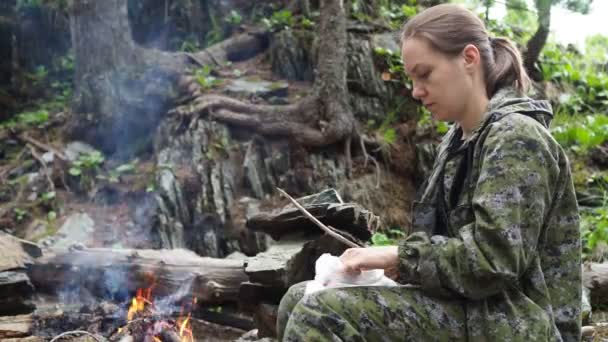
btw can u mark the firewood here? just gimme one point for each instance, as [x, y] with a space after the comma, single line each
[168, 271]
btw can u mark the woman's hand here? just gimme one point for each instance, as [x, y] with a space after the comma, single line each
[356, 260]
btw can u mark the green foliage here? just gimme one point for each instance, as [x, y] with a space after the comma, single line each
[426, 120]
[279, 20]
[26, 4]
[234, 18]
[20, 214]
[594, 227]
[580, 134]
[204, 78]
[87, 164]
[48, 196]
[307, 23]
[190, 44]
[393, 63]
[389, 238]
[38, 76]
[33, 118]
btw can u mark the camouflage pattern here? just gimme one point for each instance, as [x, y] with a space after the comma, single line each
[495, 247]
[369, 313]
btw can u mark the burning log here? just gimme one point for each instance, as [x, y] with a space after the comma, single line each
[173, 273]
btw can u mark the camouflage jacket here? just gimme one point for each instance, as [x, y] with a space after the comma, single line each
[497, 227]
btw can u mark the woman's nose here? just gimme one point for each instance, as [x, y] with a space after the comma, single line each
[418, 92]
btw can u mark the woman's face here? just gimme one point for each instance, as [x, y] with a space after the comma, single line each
[442, 83]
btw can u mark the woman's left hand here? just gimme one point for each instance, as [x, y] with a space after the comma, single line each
[356, 260]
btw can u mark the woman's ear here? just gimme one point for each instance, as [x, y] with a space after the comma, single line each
[471, 56]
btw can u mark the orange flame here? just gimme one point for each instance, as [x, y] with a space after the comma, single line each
[143, 298]
[138, 303]
[185, 329]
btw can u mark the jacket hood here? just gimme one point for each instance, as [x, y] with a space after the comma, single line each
[506, 101]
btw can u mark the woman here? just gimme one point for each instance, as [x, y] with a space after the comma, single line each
[495, 249]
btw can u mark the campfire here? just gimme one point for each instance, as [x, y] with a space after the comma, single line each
[145, 321]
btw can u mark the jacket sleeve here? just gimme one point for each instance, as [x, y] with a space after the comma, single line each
[510, 201]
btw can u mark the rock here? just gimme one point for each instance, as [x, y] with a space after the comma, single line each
[16, 289]
[326, 206]
[77, 228]
[292, 55]
[76, 148]
[388, 41]
[172, 211]
[35, 230]
[48, 157]
[272, 266]
[236, 256]
[258, 88]
[599, 155]
[257, 175]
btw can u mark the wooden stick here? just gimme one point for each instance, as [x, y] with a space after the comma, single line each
[319, 223]
[78, 332]
[43, 146]
[44, 167]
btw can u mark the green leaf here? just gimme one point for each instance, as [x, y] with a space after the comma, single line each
[124, 168]
[47, 196]
[390, 135]
[51, 215]
[75, 171]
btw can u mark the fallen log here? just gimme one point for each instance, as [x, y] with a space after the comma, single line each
[177, 273]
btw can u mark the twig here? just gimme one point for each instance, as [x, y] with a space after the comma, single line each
[319, 223]
[77, 332]
[43, 146]
[368, 157]
[43, 163]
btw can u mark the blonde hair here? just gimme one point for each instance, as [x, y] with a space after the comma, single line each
[449, 28]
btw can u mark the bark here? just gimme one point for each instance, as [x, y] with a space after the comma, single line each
[537, 42]
[212, 280]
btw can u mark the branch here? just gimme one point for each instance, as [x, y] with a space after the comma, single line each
[329, 230]
[43, 146]
[78, 332]
[43, 164]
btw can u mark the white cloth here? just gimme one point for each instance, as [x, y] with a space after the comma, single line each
[329, 274]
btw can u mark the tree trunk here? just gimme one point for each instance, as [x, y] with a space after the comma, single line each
[108, 272]
[118, 96]
[537, 42]
[121, 89]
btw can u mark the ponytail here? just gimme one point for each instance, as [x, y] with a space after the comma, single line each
[449, 28]
[507, 68]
